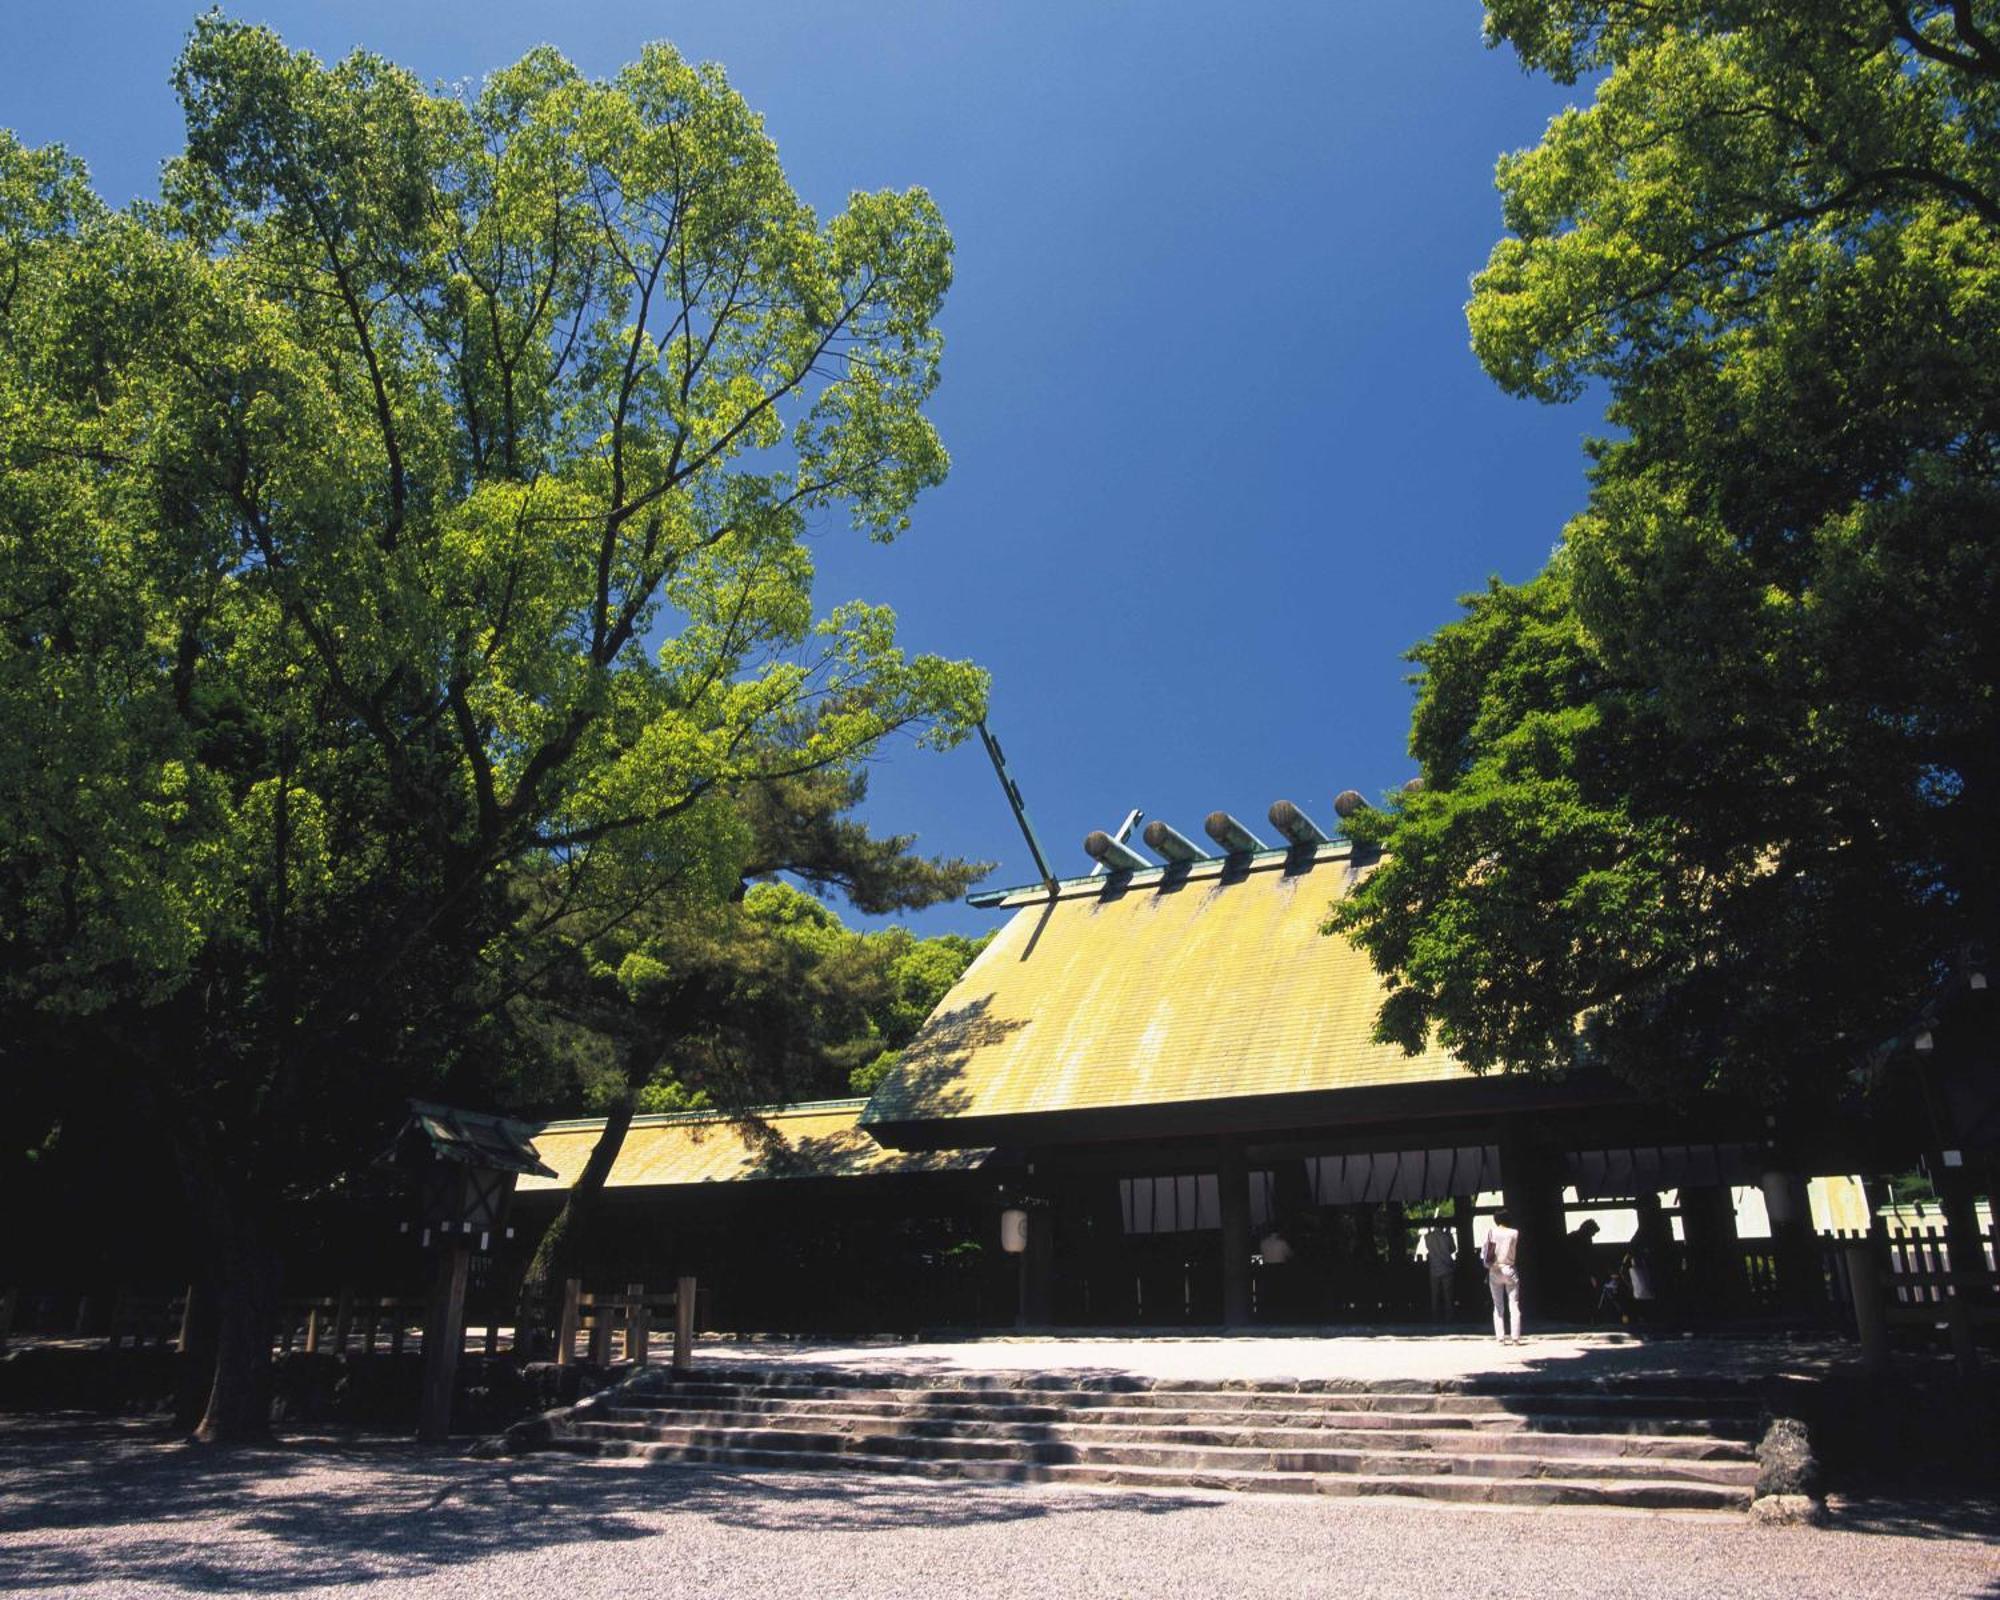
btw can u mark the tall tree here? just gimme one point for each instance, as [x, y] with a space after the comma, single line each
[1716, 797]
[401, 541]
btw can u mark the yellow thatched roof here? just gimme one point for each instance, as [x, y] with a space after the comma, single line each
[807, 1141]
[1199, 984]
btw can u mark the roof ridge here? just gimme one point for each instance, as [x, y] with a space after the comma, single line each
[661, 1119]
[1226, 868]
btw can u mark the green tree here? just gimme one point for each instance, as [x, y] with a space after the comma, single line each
[401, 551]
[734, 1003]
[1715, 798]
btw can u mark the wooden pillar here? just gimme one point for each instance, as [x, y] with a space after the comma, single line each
[343, 1319]
[684, 1292]
[1038, 1263]
[572, 1302]
[1714, 1255]
[1870, 1320]
[1465, 1285]
[600, 1333]
[635, 1323]
[1789, 1207]
[1233, 1182]
[444, 1332]
[1531, 1185]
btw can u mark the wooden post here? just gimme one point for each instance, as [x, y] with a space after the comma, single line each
[1466, 1273]
[635, 1323]
[1233, 1186]
[343, 1319]
[184, 1337]
[444, 1332]
[1870, 1323]
[684, 1325]
[602, 1315]
[566, 1325]
[1961, 1281]
[313, 1316]
[1531, 1187]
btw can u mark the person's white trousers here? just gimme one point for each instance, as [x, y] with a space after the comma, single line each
[1505, 1283]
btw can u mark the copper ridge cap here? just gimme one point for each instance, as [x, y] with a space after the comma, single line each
[1148, 877]
[713, 1114]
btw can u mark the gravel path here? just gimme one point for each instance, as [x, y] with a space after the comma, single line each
[105, 1511]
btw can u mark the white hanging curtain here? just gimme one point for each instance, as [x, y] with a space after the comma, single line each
[1188, 1201]
[1648, 1169]
[1403, 1175]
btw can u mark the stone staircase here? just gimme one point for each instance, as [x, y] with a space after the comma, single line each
[1683, 1444]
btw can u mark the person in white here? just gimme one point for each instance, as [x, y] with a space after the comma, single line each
[1440, 1249]
[1503, 1276]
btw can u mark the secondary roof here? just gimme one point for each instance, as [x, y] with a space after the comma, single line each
[818, 1140]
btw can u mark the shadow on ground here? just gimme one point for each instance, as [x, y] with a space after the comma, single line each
[92, 1501]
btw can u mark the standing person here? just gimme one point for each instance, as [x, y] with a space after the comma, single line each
[1503, 1277]
[1581, 1291]
[1441, 1251]
[1646, 1269]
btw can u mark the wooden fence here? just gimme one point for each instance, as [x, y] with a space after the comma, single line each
[355, 1325]
[627, 1317]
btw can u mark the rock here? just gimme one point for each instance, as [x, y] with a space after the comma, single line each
[1785, 1461]
[1788, 1511]
[545, 1432]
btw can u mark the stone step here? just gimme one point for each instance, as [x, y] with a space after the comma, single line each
[1029, 1416]
[1711, 1385]
[1591, 1420]
[1508, 1490]
[1260, 1433]
[1501, 1440]
[1631, 1413]
[1400, 1402]
[1183, 1456]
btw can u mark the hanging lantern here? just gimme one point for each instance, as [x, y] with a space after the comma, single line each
[1013, 1230]
[462, 1166]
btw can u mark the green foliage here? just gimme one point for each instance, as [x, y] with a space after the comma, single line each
[403, 568]
[1715, 797]
[739, 999]
[768, 1000]
[1912, 1188]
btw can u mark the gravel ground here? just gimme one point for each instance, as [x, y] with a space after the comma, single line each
[105, 1511]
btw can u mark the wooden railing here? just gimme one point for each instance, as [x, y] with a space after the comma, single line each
[351, 1324]
[1909, 1277]
[627, 1317]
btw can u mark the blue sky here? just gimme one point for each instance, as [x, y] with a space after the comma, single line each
[1220, 451]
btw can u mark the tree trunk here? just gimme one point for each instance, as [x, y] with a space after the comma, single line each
[203, 1326]
[563, 1247]
[246, 1271]
[236, 1297]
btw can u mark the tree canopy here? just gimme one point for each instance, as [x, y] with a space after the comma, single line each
[1714, 798]
[403, 556]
